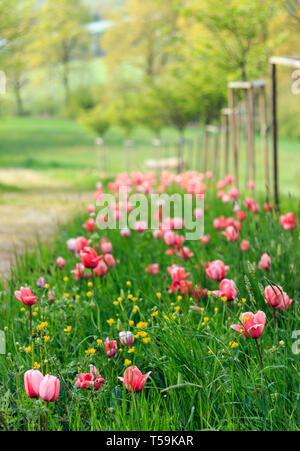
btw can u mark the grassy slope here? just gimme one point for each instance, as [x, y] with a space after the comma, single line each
[225, 389]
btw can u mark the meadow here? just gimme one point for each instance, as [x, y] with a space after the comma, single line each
[204, 375]
[65, 155]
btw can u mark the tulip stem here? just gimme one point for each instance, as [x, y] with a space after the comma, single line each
[46, 418]
[30, 321]
[259, 353]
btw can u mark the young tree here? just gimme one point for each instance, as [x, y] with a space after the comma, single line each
[16, 34]
[61, 37]
[143, 35]
[239, 34]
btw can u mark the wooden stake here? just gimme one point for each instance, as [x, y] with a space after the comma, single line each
[216, 162]
[251, 133]
[263, 133]
[206, 149]
[234, 134]
[275, 133]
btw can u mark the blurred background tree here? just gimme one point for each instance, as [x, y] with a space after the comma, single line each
[61, 37]
[149, 62]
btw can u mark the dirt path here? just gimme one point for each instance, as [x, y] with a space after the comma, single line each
[30, 213]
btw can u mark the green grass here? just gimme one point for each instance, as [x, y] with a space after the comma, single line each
[63, 151]
[198, 381]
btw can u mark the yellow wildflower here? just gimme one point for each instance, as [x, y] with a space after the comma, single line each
[233, 344]
[90, 351]
[127, 362]
[110, 321]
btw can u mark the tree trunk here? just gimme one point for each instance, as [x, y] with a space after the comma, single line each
[18, 98]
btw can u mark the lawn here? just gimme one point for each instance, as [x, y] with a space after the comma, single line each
[64, 152]
[204, 375]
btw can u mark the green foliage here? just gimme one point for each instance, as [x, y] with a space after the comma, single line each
[96, 120]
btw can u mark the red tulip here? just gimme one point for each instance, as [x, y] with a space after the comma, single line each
[111, 347]
[89, 257]
[133, 379]
[90, 225]
[89, 381]
[26, 296]
[288, 221]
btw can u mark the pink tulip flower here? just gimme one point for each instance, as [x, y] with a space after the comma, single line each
[89, 381]
[264, 262]
[125, 233]
[231, 233]
[245, 245]
[26, 296]
[253, 324]
[80, 243]
[90, 225]
[111, 347]
[133, 379]
[126, 338]
[109, 260]
[49, 388]
[288, 221]
[140, 226]
[79, 272]
[106, 247]
[241, 215]
[61, 262]
[216, 270]
[89, 257]
[219, 223]
[101, 269]
[153, 269]
[205, 239]
[226, 290]
[32, 381]
[277, 298]
[198, 213]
